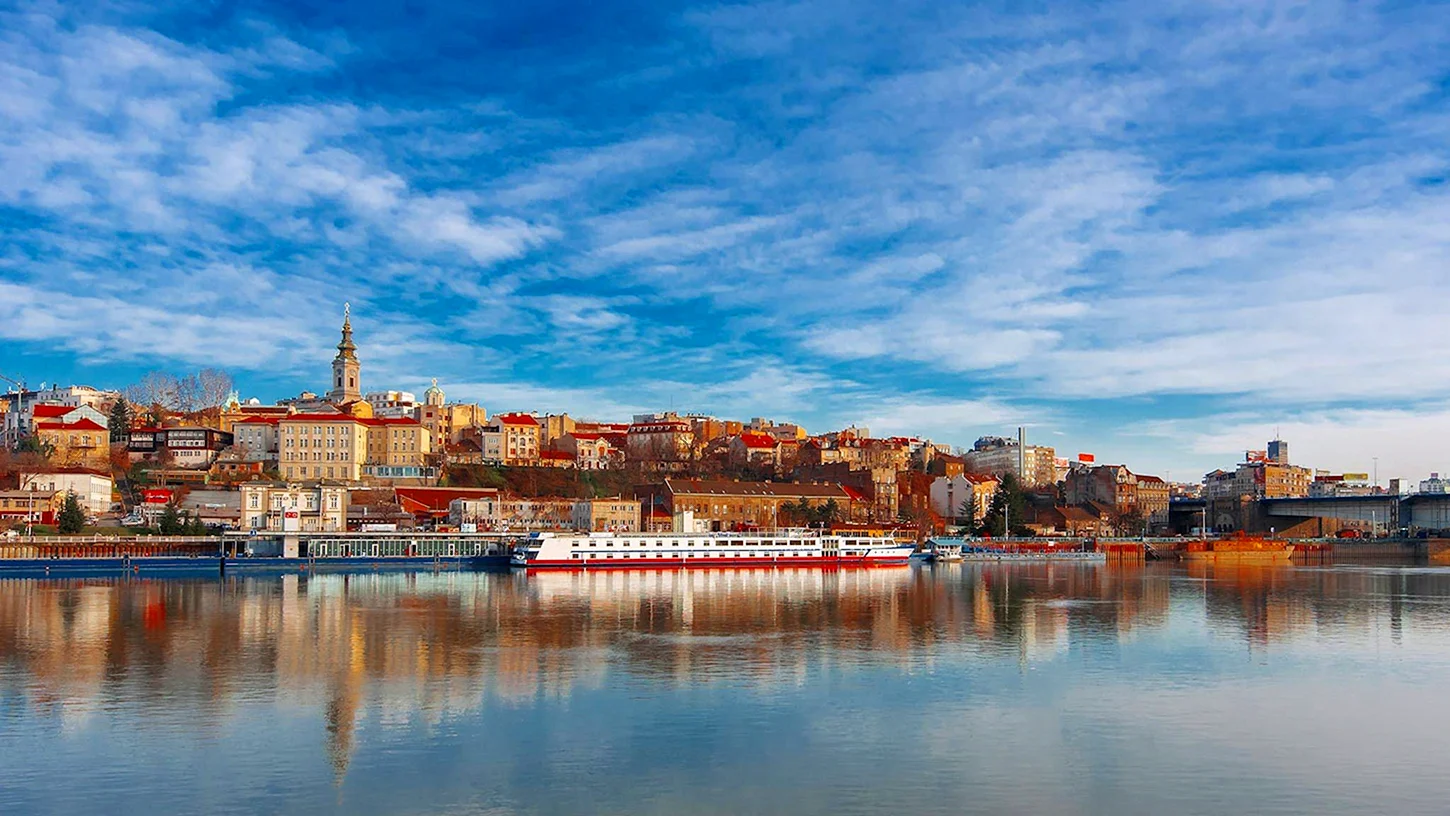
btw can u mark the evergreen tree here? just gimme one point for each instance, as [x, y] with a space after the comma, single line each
[1009, 505]
[196, 527]
[121, 416]
[72, 519]
[170, 522]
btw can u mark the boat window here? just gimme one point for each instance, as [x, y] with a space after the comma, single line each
[575, 556]
[795, 543]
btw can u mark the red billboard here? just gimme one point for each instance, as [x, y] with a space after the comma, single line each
[156, 496]
[1086, 457]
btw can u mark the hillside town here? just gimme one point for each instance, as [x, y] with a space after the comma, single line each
[188, 455]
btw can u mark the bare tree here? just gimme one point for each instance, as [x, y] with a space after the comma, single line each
[215, 386]
[156, 388]
[188, 394]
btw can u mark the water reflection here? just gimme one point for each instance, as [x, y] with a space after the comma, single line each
[430, 649]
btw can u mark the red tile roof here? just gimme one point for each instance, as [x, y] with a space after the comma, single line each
[515, 419]
[435, 500]
[321, 416]
[259, 420]
[560, 456]
[50, 411]
[758, 440]
[78, 425]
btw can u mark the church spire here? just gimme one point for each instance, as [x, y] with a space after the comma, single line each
[346, 350]
[346, 369]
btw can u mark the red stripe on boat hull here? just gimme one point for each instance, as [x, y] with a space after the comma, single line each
[710, 563]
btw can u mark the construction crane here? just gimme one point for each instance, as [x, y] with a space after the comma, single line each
[17, 383]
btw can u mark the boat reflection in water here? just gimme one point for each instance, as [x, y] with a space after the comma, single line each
[351, 667]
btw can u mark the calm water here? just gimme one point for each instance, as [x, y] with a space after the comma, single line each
[999, 689]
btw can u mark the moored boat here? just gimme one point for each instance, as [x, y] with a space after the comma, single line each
[708, 550]
[945, 550]
[1240, 549]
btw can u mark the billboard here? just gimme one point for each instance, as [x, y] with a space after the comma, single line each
[1256, 456]
[291, 521]
[1356, 477]
[1087, 458]
[156, 496]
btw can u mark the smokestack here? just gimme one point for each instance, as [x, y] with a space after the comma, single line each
[1022, 454]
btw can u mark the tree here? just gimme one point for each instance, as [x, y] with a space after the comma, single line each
[35, 446]
[170, 522]
[213, 387]
[196, 527]
[967, 513]
[157, 389]
[1128, 521]
[1009, 505]
[826, 514]
[121, 417]
[72, 517]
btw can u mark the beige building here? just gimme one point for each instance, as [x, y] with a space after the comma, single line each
[591, 451]
[349, 448]
[396, 449]
[447, 423]
[254, 438]
[36, 506]
[321, 446]
[662, 440]
[81, 443]
[294, 507]
[607, 515]
[513, 439]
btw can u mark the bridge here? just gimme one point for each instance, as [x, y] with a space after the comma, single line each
[1421, 512]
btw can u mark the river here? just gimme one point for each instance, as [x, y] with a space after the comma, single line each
[999, 688]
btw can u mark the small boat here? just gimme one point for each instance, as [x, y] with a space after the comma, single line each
[945, 550]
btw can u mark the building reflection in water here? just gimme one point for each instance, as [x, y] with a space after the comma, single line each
[434, 646]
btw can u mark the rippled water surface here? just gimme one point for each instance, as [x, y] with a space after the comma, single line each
[962, 688]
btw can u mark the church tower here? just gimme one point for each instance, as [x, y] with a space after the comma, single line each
[345, 367]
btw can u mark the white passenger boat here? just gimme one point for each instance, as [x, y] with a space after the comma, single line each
[945, 550]
[708, 550]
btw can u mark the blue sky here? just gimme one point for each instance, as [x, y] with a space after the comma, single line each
[1154, 231]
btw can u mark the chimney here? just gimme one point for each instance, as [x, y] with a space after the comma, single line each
[1022, 454]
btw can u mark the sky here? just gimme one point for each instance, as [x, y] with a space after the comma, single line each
[1159, 232]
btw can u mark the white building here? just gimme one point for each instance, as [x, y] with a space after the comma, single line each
[91, 487]
[294, 507]
[949, 493]
[513, 514]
